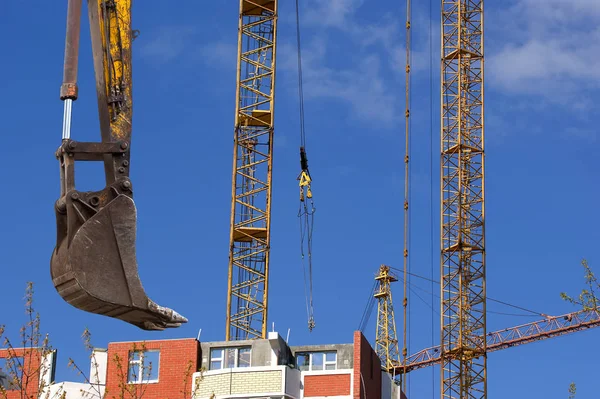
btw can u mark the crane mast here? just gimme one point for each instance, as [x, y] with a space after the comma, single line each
[386, 341]
[252, 172]
[463, 305]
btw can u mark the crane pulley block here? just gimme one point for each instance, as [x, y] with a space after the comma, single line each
[304, 178]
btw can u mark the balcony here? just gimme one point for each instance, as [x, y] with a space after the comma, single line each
[247, 382]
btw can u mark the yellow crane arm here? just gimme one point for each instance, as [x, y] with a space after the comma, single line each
[531, 332]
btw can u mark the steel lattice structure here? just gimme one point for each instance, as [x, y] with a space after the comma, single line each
[463, 305]
[251, 182]
[386, 341]
[515, 336]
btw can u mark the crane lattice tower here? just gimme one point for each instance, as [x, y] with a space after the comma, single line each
[386, 341]
[463, 304]
[248, 279]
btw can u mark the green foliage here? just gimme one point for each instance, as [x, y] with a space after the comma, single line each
[24, 370]
[95, 384]
[187, 376]
[587, 299]
[24, 365]
[572, 390]
[125, 389]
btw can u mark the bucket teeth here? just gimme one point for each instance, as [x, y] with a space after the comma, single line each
[94, 266]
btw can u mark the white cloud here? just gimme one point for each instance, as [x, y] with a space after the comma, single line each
[560, 9]
[361, 86]
[550, 49]
[220, 54]
[359, 63]
[168, 43]
[331, 13]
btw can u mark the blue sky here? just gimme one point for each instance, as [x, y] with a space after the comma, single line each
[542, 118]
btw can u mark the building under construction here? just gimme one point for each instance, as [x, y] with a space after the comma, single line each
[258, 368]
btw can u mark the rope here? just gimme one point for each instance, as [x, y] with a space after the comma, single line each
[307, 209]
[302, 235]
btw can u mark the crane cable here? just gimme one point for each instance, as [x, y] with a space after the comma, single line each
[489, 298]
[307, 209]
[406, 263]
[366, 316]
[431, 186]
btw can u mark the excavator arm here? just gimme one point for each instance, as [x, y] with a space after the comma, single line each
[94, 266]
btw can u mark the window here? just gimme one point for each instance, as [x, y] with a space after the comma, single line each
[303, 361]
[330, 360]
[314, 361]
[226, 358]
[143, 366]
[9, 369]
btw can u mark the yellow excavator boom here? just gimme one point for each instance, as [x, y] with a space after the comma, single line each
[93, 265]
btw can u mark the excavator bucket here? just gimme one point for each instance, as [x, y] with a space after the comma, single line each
[94, 266]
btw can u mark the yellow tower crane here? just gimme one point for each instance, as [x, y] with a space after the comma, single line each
[463, 353]
[250, 227]
[386, 341]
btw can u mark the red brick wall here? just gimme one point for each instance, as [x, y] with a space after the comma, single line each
[175, 358]
[367, 369]
[31, 371]
[326, 385]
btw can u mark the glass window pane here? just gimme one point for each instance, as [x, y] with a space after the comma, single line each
[302, 361]
[134, 372]
[135, 355]
[4, 365]
[330, 356]
[317, 361]
[151, 365]
[330, 366]
[230, 358]
[8, 368]
[216, 359]
[244, 357]
[4, 383]
[216, 354]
